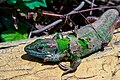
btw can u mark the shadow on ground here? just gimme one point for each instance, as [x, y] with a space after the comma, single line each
[36, 59]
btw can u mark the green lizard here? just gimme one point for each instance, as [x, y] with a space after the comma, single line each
[83, 42]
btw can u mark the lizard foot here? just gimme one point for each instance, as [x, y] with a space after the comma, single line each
[63, 66]
[73, 65]
[70, 70]
[66, 69]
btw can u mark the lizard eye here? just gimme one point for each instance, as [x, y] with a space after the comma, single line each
[39, 48]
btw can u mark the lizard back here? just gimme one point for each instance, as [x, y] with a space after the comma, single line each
[99, 32]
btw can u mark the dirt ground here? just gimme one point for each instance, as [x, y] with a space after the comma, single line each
[15, 64]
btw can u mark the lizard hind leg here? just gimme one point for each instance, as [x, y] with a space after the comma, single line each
[73, 66]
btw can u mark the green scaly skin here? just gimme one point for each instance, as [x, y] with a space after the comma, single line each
[83, 42]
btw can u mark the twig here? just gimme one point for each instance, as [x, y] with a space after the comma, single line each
[75, 11]
[31, 29]
[92, 6]
[77, 8]
[107, 7]
[89, 2]
[51, 14]
[59, 20]
[30, 33]
[48, 26]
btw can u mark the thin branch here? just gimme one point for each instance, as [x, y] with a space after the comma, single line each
[106, 7]
[92, 6]
[48, 26]
[59, 20]
[86, 10]
[89, 2]
[51, 14]
[77, 8]
[30, 33]
[75, 11]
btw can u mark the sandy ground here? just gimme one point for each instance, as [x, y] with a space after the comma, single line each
[15, 64]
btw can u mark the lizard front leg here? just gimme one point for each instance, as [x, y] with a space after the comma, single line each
[55, 58]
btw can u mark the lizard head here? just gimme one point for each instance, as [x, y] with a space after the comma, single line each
[46, 49]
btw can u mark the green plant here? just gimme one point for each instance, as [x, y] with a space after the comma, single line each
[10, 33]
[29, 3]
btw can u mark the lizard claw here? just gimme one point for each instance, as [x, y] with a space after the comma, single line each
[66, 68]
[70, 70]
[63, 66]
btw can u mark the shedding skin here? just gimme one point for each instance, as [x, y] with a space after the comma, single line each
[83, 42]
